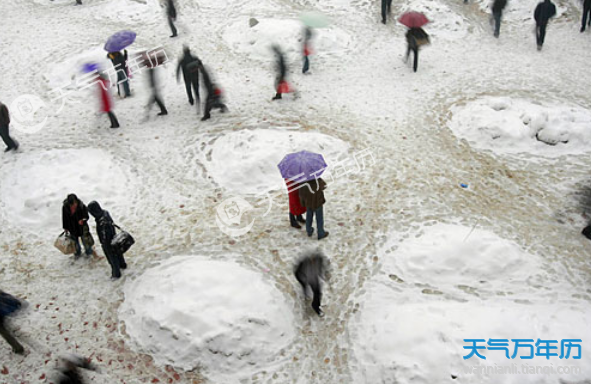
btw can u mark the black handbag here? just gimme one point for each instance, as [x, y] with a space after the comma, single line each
[122, 241]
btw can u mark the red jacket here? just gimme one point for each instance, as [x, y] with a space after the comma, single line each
[295, 206]
[106, 103]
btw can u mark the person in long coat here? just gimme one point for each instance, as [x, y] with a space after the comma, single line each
[311, 196]
[74, 222]
[105, 229]
[8, 305]
[281, 84]
[386, 7]
[586, 12]
[171, 14]
[414, 38]
[105, 100]
[189, 64]
[309, 271]
[497, 12]
[542, 14]
[296, 209]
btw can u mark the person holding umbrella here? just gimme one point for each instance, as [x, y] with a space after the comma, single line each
[120, 64]
[415, 36]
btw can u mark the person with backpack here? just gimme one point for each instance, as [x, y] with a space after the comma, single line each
[497, 13]
[75, 224]
[8, 305]
[542, 14]
[105, 229]
[190, 64]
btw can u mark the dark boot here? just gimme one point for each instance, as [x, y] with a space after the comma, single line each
[301, 219]
[277, 96]
[293, 221]
[114, 121]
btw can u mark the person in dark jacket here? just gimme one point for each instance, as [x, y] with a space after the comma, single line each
[4, 129]
[414, 36]
[68, 372]
[586, 13]
[8, 305]
[105, 229]
[543, 13]
[306, 49]
[120, 64]
[153, 81]
[312, 198]
[386, 7]
[281, 69]
[171, 14]
[310, 270]
[190, 65]
[497, 12]
[214, 94]
[74, 222]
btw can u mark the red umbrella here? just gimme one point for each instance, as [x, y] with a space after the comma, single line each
[413, 19]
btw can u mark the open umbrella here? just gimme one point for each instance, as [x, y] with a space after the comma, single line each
[413, 19]
[90, 67]
[302, 166]
[314, 19]
[119, 41]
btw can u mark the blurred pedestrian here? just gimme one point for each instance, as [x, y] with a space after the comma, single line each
[296, 209]
[497, 13]
[190, 66]
[105, 229]
[119, 61]
[542, 14]
[214, 94]
[75, 223]
[4, 129]
[105, 99]
[171, 14]
[8, 305]
[415, 38]
[306, 49]
[586, 14]
[151, 66]
[310, 270]
[68, 370]
[311, 196]
[386, 9]
[281, 85]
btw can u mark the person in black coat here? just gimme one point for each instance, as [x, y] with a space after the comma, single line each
[281, 69]
[586, 13]
[9, 304]
[105, 229]
[4, 129]
[497, 12]
[74, 221]
[309, 271]
[413, 37]
[544, 11]
[120, 64]
[386, 7]
[214, 95]
[171, 13]
[68, 372]
[190, 66]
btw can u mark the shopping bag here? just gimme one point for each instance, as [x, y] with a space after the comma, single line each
[65, 244]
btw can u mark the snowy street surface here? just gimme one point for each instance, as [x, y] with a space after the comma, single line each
[418, 262]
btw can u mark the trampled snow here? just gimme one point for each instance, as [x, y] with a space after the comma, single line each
[191, 312]
[514, 125]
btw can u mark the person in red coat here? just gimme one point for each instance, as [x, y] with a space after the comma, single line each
[106, 102]
[296, 209]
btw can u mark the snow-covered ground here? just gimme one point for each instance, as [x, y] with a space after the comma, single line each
[418, 262]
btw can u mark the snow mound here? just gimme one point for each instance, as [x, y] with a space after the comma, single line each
[190, 312]
[288, 34]
[522, 10]
[445, 23]
[35, 185]
[510, 126]
[128, 11]
[245, 161]
[448, 255]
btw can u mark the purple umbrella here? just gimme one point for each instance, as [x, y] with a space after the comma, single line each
[119, 41]
[302, 166]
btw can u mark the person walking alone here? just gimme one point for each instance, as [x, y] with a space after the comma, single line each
[542, 14]
[497, 13]
[386, 8]
[306, 49]
[586, 15]
[190, 64]
[4, 129]
[171, 14]
[310, 270]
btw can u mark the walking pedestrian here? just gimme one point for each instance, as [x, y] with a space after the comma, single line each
[153, 81]
[296, 210]
[386, 9]
[311, 196]
[8, 305]
[4, 129]
[281, 85]
[415, 37]
[542, 14]
[497, 12]
[68, 371]
[75, 223]
[120, 64]
[105, 99]
[586, 14]
[310, 270]
[105, 229]
[171, 14]
[306, 49]
[214, 95]
[190, 66]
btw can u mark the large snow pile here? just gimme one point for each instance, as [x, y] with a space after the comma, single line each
[245, 162]
[288, 34]
[507, 125]
[522, 10]
[35, 185]
[445, 23]
[190, 312]
[409, 331]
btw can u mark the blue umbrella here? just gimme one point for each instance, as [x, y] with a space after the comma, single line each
[119, 41]
[90, 67]
[302, 166]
